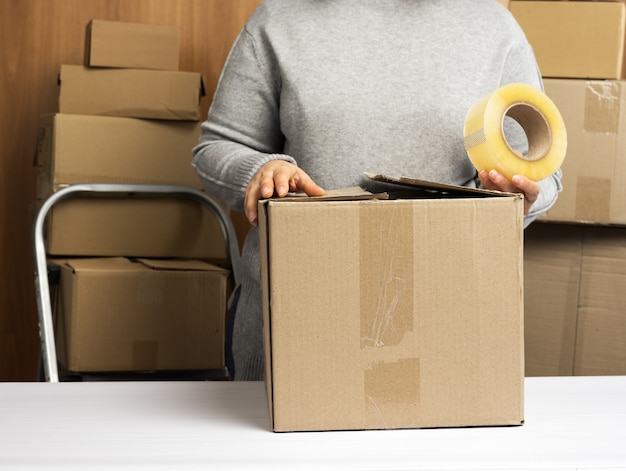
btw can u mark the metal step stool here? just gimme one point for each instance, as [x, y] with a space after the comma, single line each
[42, 282]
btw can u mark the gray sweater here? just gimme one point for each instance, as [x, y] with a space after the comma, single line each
[343, 87]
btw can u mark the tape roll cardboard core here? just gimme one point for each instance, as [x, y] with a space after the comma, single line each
[487, 146]
[535, 126]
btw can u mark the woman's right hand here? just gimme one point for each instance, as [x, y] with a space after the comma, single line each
[277, 178]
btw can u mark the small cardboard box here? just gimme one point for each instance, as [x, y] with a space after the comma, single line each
[132, 45]
[574, 39]
[134, 93]
[116, 314]
[575, 298]
[94, 149]
[594, 171]
[398, 313]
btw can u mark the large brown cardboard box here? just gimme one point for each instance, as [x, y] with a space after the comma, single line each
[399, 313]
[134, 93]
[574, 39]
[575, 285]
[94, 149]
[594, 170]
[552, 256]
[601, 333]
[132, 45]
[116, 314]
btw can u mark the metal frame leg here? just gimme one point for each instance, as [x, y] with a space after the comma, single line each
[46, 327]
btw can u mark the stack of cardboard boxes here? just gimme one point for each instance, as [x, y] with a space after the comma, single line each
[136, 292]
[575, 257]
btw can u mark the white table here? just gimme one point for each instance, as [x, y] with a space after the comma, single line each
[571, 423]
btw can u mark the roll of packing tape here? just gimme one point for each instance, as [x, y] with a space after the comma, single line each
[485, 141]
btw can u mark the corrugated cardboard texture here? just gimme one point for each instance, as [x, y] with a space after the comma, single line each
[552, 266]
[594, 170]
[119, 315]
[99, 149]
[133, 226]
[94, 149]
[601, 339]
[132, 45]
[575, 319]
[133, 93]
[393, 314]
[574, 39]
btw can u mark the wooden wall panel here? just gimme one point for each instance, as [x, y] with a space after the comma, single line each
[36, 36]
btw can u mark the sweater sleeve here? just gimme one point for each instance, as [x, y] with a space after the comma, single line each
[242, 130]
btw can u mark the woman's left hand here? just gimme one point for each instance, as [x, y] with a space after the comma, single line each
[494, 180]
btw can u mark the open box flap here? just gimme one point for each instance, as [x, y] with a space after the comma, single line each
[387, 188]
[341, 194]
[428, 185]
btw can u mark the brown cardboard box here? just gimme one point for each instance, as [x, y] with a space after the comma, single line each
[114, 314]
[400, 313]
[132, 45]
[575, 279]
[95, 149]
[134, 93]
[594, 170]
[601, 338]
[551, 286]
[574, 39]
[133, 226]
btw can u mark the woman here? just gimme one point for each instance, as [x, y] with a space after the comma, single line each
[316, 92]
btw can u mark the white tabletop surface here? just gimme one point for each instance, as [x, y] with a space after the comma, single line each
[572, 423]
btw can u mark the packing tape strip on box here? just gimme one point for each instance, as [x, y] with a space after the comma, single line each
[485, 141]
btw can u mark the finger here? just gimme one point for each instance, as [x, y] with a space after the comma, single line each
[493, 180]
[518, 184]
[501, 182]
[529, 188]
[283, 175]
[267, 185]
[291, 178]
[277, 178]
[483, 176]
[250, 204]
[272, 179]
[305, 183]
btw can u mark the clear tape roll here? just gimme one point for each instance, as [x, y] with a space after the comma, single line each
[538, 116]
